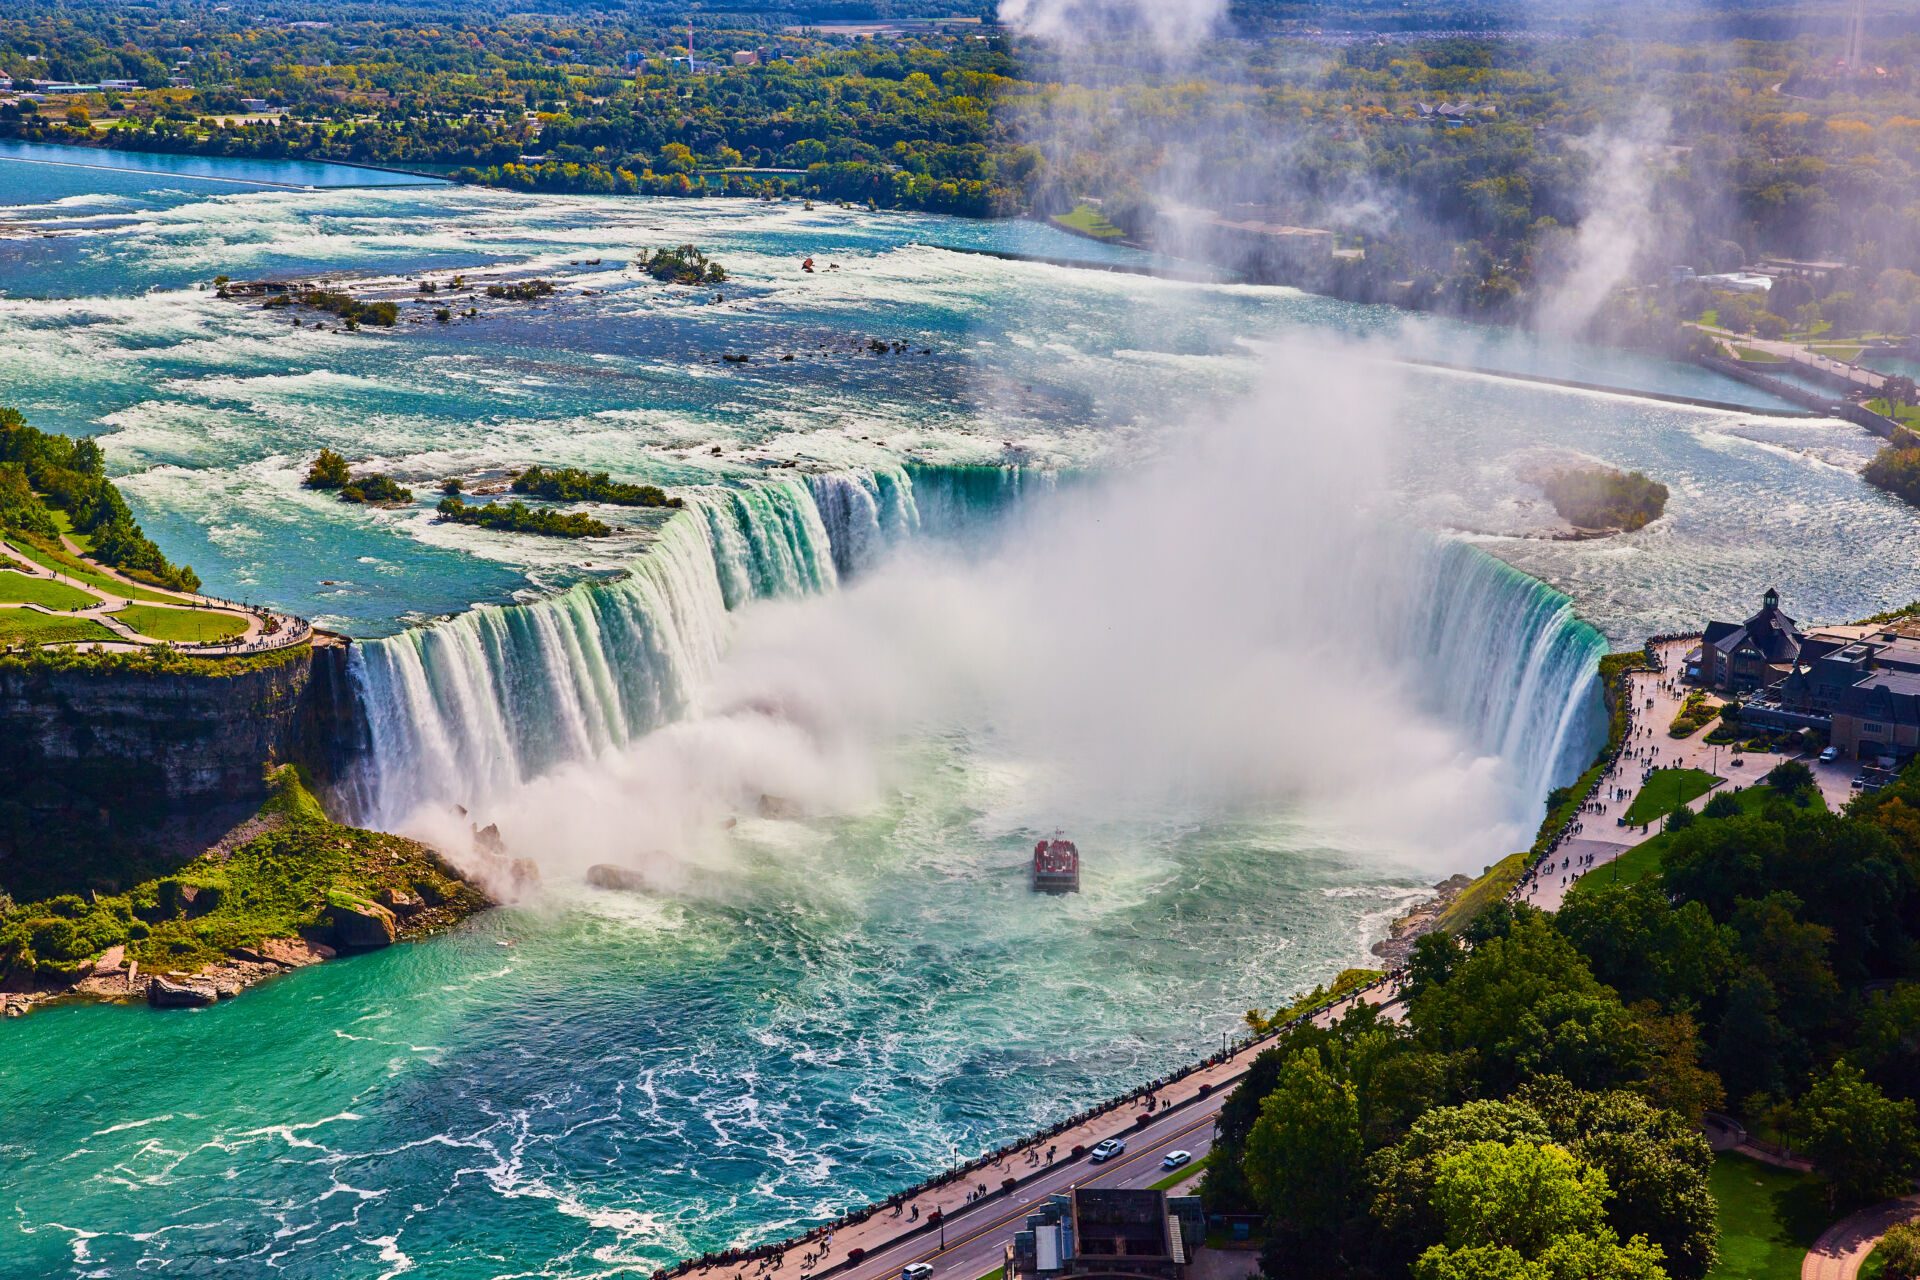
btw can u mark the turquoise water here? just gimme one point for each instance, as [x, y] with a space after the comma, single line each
[841, 973]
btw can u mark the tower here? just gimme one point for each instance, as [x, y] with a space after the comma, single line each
[1857, 38]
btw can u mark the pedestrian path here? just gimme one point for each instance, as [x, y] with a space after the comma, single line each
[261, 631]
[1842, 1247]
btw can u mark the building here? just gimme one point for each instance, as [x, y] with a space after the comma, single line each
[1860, 684]
[745, 58]
[1107, 1231]
[1739, 657]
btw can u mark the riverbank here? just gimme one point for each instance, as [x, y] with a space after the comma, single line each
[284, 889]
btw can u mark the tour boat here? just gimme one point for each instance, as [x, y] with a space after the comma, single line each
[1056, 866]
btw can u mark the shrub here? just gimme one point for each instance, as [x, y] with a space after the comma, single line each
[329, 471]
[1899, 1253]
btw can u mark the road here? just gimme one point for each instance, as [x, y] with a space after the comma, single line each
[976, 1238]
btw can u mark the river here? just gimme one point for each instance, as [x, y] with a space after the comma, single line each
[1087, 549]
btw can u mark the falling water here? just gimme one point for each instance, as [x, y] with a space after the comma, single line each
[474, 705]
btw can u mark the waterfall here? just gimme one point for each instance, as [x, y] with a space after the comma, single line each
[865, 512]
[1505, 661]
[474, 704]
[468, 707]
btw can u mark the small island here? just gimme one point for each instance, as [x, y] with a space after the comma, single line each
[1896, 469]
[518, 517]
[1598, 500]
[685, 265]
[330, 472]
[521, 291]
[573, 484]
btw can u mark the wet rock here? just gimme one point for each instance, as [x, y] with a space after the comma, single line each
[401, 903]
[294, 953]
[605, 875]
[359, 925]
[162, 994]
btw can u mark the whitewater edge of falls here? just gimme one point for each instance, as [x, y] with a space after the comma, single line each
[468, 707]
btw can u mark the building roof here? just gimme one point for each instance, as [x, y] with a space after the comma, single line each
[1770, 631]
[1120, 1222]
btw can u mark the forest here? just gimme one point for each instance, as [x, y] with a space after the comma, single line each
[1741, 142]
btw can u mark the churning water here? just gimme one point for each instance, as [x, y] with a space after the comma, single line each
[903, 624]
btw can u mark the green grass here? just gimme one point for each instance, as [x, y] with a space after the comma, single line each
[1643, 859]
[1666, 790]
[1908, 414]
[18, 588]
[1179, 1176]
[1768, 1218]
[1873, 1265]
[1089, 221]
[60, 561]
[274, 886]
[24, 626]
[1493, 885]
[182, 626]
[1753, 355]
[1847, 351]
[64, 523]
[998, 1273]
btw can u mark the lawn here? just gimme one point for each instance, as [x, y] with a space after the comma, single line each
[64, 523]
[182, 626]
[1768, 1217]
[1665, 791]
[80, 571]
[1089, 221]
[1644, 859]
[18, 588]
[1906, 413]
[24, 626]
[1753, 355]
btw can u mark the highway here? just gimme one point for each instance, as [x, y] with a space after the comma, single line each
[976, 1236]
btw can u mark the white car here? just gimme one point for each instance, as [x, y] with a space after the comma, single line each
[1829, 755]
[1175, 1159]
[1108, 1150]
[916, 1271]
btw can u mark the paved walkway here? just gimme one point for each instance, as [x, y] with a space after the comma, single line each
[1656, 698]
[1842, 1247]
[256, 638]
[1795, 353]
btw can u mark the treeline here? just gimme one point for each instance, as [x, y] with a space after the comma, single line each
[518, 517]
[1537, 1113]
[71, 476]
[574, 484]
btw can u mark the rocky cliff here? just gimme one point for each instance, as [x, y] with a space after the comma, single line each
[110, 770]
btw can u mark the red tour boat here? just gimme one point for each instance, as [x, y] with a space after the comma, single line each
[1056, 866]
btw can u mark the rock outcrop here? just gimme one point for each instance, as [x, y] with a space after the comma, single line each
[162, 994]
[359, 925]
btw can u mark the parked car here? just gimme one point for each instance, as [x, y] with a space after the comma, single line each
[1107, 1150]
[916, 1271]
[1829, 755]
[1175, 1159]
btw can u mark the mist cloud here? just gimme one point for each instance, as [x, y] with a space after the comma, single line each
[1172, 24]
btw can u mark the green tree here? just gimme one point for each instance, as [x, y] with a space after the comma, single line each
[1528, 1210]
[1527, 1005]
[1303, 1156]
[1865, 1143]
[329, 471]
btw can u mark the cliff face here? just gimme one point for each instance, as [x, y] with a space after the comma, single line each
[107, 774]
